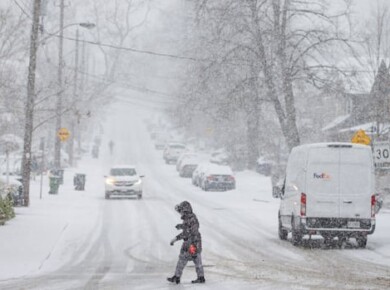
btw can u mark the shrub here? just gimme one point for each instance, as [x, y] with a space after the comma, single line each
[6, 209]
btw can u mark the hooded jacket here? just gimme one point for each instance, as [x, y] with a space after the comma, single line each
[190, 226]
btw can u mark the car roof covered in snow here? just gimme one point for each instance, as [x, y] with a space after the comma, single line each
[218, 169]
[13, 180]
[189, 154]
[190, 161]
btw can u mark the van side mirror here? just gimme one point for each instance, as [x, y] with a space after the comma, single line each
[276, 192]
[142, 176]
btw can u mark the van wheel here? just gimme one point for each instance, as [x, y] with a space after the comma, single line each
[328, 241]
[107, 196]
[282, 232]
[296, 234]
[361, 241]
[341, 241]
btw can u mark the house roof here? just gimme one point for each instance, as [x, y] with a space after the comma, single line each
[370, 128]
[336, 122]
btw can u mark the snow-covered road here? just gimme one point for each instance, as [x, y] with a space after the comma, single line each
[93, 243]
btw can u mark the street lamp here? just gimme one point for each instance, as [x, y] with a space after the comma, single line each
[87, 25]
[57, 144]
[29, 109]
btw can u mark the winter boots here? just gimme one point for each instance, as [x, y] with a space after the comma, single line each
[199, 280]
[174, 279]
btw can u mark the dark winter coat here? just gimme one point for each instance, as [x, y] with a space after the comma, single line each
[190, 226]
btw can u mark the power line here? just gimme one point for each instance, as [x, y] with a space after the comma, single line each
[136, 50]
[23, 10]
[121, 83]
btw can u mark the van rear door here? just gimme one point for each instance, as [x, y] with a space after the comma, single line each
[322, 182]
[355, 182]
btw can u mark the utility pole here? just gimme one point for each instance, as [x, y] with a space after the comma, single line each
[29, 112]
[42, 147]
[75, 99]
[83, 69]
[57, 144]
[83, 83]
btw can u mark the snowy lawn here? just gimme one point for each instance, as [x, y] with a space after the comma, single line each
[35, 239]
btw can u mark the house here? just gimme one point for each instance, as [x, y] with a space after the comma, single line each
[369, 111]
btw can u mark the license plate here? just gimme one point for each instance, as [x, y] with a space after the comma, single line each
[353, 224]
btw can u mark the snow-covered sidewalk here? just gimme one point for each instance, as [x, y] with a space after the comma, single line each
[37, 239]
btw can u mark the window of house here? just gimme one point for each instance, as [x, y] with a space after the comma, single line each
[348, 106]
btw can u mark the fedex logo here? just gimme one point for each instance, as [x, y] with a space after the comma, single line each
[321, 176]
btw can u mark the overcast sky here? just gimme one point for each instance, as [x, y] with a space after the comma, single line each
[365, 8]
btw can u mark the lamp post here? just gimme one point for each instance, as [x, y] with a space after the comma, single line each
[76, 65]
[30, 100]
[57, 142]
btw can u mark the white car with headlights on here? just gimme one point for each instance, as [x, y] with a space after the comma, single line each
[123, 181]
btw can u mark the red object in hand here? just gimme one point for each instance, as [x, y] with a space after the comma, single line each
[192, 250]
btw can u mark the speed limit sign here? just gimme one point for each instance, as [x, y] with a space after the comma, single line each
[382, 154]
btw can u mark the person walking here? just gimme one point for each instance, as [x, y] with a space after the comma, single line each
[111, 145]
[191, 248]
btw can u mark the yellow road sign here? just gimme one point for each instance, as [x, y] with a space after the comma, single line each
[361, 137]
[63, 134]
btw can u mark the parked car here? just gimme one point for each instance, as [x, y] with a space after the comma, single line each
[160, 140]
[197, 174]
[172, 152]
[159, 143]
[188, 167]
[153, 134]
[184, 156]
[14, 189]
[220, 157]
[217, 177]
[264, 166]
[123, 181]
[328, 191]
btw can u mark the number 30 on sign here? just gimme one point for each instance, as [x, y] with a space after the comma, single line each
[382, 154]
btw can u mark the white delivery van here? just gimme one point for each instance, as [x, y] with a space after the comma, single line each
[329, 191]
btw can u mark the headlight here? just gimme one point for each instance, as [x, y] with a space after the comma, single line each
[110, 181]
[138, 182]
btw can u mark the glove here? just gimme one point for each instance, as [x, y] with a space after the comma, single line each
[179, 226]
[192, 250]
[173, 241]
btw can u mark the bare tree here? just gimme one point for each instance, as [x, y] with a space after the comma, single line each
[277, 43]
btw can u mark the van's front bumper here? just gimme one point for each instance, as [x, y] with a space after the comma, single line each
[309, 224]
